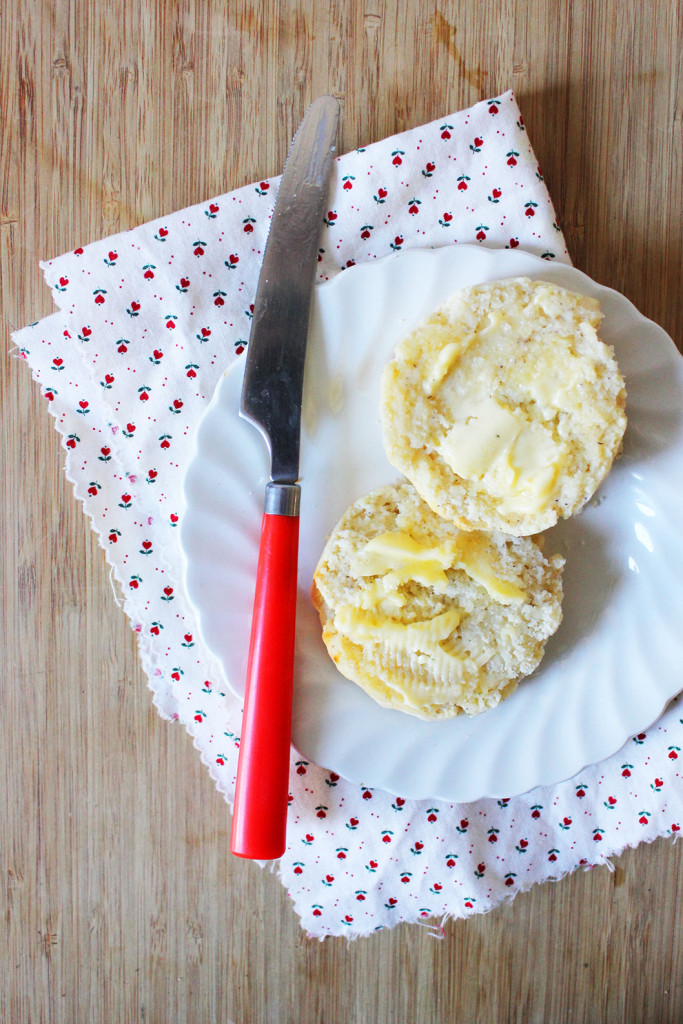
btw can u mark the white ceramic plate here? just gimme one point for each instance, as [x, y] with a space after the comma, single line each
[617, 658]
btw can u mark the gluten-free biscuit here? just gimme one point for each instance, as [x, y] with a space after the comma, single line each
[504, 408]
[427, 618]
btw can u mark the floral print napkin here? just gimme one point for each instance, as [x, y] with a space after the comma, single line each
[147, 322]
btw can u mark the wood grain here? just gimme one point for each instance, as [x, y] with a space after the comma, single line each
[121, 902]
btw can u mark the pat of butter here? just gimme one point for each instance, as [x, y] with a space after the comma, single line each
[404, 559]
[401, 559]
[515, 459]
[475, 442]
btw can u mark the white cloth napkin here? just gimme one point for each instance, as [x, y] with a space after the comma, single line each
[148, 321]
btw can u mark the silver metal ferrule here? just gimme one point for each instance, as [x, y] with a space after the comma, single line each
[282, 499]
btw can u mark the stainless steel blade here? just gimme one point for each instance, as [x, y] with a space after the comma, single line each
[274, 371]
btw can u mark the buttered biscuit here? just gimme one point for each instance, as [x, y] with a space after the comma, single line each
[427, 618]
[503, 407]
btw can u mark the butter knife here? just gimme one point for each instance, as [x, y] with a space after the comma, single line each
[271, 400]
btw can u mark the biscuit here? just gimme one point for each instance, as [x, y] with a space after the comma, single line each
[427, 618]
[503, 407]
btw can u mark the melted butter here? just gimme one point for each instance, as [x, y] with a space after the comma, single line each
[495, 322]
[473, 443]
[554, 377]
[536, 459]
[360, 626]
[404, 559]
[450, 349]
[445, 360]
[494, 443]
[397, 558]
[384, 592]
[547, 300]
[511, 457]
[477, 567]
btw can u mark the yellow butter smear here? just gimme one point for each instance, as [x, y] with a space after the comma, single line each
[427, 638]
[514, 459]
[361, 626]
[398, 558]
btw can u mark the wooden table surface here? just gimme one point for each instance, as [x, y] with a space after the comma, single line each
[121, 901]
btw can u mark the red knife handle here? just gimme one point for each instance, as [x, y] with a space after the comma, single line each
[259, 822]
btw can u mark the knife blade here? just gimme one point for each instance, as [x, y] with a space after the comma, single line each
[271, 399]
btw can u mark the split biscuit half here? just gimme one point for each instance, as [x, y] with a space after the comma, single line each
[504, 408]
[427, 618]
